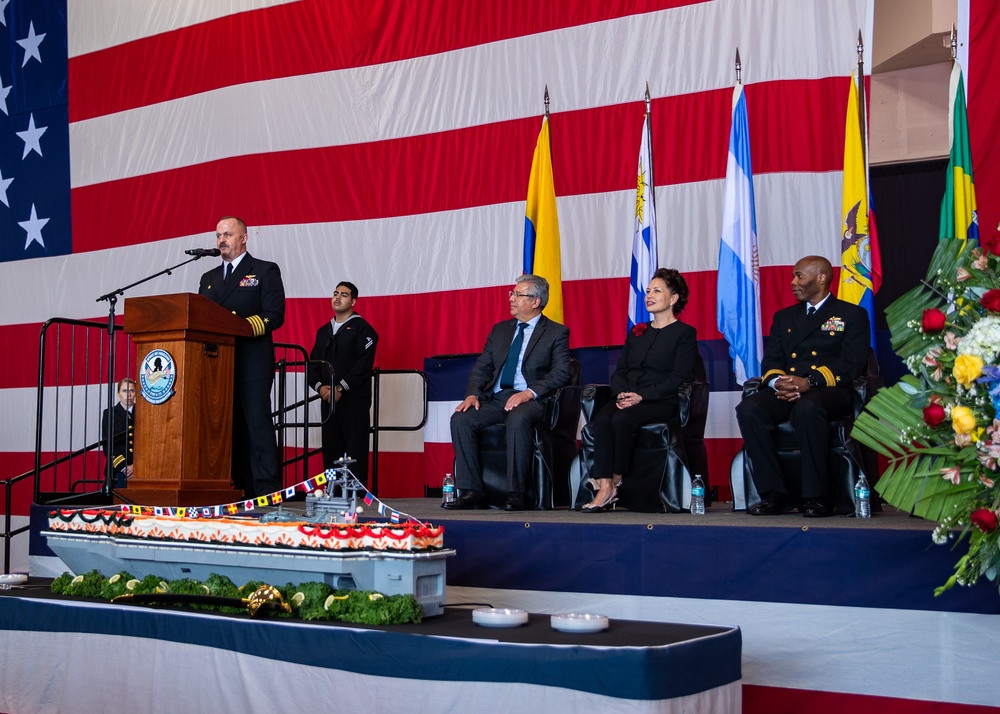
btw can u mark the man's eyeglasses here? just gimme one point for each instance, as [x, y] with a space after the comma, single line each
[514, 293]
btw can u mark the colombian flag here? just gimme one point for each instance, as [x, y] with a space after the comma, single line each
[541, 225]
[959, 217]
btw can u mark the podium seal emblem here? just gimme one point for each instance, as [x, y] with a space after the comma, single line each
[156, 378]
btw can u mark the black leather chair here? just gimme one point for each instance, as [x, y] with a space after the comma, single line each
[555, 447]
[847, 458]
[666, 455]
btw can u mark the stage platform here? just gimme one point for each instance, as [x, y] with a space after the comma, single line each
[888, 560]
[835, 613]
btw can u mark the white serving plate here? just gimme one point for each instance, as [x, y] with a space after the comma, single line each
[579, 622]
[499, 617]
[9, 579]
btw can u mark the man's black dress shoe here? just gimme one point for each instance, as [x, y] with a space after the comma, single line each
[467, 501]
[768, 506]
[814, 509]
[514, 503]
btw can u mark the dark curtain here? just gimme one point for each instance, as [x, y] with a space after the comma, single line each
[907, 202]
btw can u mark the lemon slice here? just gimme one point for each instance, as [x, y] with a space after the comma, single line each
[331, 598]
[115, 578]
[298, 599]
[77, 580]
[130, 585]
[376, 596]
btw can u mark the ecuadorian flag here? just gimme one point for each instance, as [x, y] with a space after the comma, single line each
[860, 260]
[541, 225]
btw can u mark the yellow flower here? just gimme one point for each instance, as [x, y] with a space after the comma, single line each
[962, 420]
[967, 368]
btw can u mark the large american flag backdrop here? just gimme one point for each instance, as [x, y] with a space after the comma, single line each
[389, 143]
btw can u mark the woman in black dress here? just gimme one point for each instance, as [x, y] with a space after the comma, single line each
[658, 357]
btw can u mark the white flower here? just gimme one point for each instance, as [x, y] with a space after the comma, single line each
[982, 340]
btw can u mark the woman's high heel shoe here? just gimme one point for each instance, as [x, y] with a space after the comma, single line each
[594, 507]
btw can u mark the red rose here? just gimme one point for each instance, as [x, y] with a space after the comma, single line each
[933, 414]
[639, 329]
[984, 519]
[933, 320]
[991, 300]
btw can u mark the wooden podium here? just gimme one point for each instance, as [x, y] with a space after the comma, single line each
[183, 444]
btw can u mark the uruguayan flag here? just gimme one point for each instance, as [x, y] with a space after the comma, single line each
[738, 308]
[644, 234]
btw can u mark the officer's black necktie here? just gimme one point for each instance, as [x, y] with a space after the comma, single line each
[229, 272]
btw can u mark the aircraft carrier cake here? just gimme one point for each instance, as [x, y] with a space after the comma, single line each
[328, 542]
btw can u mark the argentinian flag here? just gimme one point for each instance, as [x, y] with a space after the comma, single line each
[738, 306]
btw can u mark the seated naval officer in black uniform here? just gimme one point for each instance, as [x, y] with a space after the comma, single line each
[816, 350]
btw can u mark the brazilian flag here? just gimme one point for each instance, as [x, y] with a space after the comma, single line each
[958, 208]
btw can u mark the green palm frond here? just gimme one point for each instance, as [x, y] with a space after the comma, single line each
[892, 423]
[887, 416]
[915, 484]
[912, 481]
[909, 308]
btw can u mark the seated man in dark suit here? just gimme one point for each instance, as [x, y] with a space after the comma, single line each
[816, 350]
[525, 360]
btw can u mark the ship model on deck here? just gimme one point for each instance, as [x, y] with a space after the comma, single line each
[327, 543]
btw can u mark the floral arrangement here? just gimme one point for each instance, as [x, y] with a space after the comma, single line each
[640, 328]
[938, 427]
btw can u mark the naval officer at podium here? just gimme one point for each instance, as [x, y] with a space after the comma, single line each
[251, 288]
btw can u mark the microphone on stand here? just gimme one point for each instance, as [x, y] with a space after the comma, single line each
[203, 252]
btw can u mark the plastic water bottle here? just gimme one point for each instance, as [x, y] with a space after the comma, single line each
[862, 498]
[448, 489]
[698, 497]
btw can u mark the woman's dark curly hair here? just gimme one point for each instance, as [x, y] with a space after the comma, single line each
[675, 284]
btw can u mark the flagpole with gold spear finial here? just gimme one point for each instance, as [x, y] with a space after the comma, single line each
[649, 128]
[862, 103]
